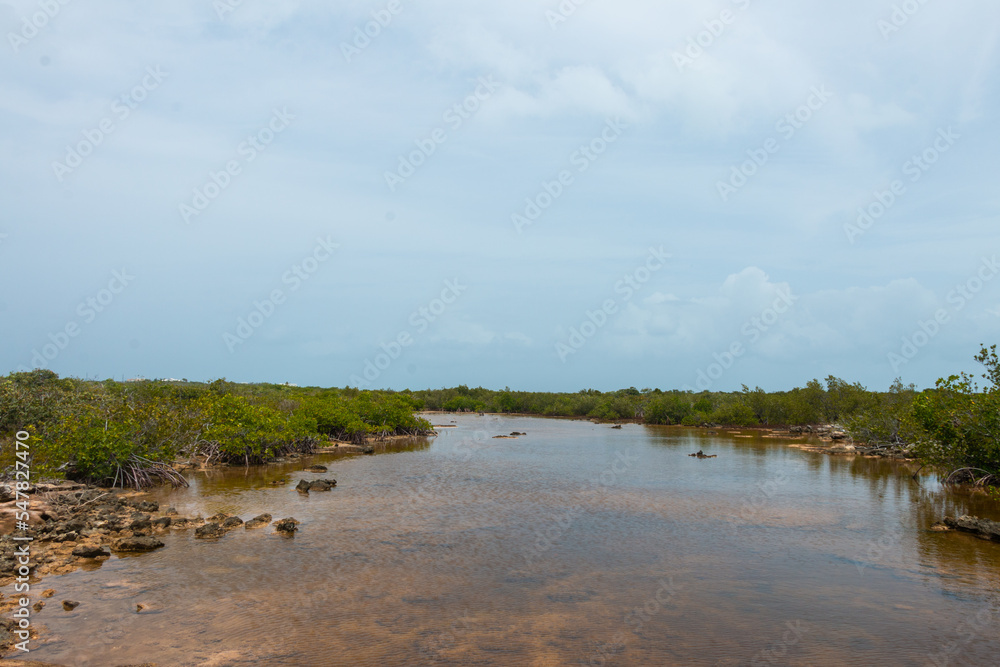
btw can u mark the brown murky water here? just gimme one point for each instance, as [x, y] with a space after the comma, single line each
[574, 544]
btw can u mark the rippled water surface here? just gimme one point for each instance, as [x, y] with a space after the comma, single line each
[573, 544]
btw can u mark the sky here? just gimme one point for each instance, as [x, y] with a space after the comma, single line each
[533, 194]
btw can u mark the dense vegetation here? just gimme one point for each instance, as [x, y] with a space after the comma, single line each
[129, 433]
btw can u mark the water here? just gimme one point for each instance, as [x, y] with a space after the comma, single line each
[574, 544]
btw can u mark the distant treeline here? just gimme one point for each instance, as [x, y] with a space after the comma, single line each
[953, 427]
[128, 433]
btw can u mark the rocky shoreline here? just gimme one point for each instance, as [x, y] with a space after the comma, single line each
[73, 524]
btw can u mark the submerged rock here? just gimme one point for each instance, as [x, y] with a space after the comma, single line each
[209, 530]
[258, 521]
[317, 468]
[70, 605]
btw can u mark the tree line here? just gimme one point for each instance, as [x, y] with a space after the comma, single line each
[128, 433]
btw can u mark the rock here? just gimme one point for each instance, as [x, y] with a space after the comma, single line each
[7, 493]
[66, 537]
[287, 526]
[843, 448]
[232, 522]
[322, 484]
[317, 468]
[617, 426]
[140, 524]
[137, 544]
[48, 592]
[90, 551]
[303, 486]
[38, 606]
[209, 530]
[702, 455]
[989, 530]
[147, 506]
[171, 511]
[940, 528]
[258, 521]
[368, 450]
[70, 605]
[838, 435]
[218, 518]
[162, 522]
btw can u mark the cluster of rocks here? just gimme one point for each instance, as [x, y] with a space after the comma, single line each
[71, 523]
[513, 434]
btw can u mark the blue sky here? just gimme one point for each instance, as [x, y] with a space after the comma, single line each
[523, 194]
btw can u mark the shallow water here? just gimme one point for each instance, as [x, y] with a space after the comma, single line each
[574, 544]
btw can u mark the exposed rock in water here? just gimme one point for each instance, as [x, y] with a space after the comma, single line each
[162, 522]
[258, 521]
[209, 530]
[843, 448]
[984, 528]
[617, 426]
[702, 455]
[303, 486]
[70, 605]
[137, 544]
[322, 484]
[232, 522]
[287, 526]
[368, 450]
[317, 468]
[90, 551]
